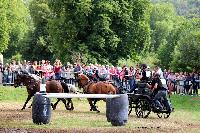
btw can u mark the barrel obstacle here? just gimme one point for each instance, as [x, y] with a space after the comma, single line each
[116, 106]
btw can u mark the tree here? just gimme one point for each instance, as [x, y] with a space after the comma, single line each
[186, 8]
[164, 23]
[37, 44]
[187, 52]
[16, 20]
[105, 30]
[163, 17]
[4, 26]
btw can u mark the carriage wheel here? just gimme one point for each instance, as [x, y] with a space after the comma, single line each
[130, 106]
[163, 115]
[143, 108]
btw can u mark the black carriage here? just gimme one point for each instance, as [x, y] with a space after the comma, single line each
[142, 101]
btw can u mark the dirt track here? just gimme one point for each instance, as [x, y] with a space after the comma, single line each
[10, 113]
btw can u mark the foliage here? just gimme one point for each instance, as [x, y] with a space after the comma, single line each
[164, 22]
[187, 52]
[187, 8]
[104, 30]
[37, 44]
[4, 26]
[17, 19]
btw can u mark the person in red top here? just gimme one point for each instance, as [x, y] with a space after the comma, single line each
[57, 69]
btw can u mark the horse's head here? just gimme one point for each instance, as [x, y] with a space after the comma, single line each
[82, 80]
[31, 83]
[18, 80]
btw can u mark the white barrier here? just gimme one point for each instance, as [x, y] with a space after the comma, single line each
[67, 95]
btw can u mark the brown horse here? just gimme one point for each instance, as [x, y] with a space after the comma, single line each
[33, 86]
[91, 87]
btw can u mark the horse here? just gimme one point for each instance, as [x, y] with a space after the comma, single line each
[91, 87]
[33, 86]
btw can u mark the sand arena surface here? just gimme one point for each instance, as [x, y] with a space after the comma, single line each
[13, 120]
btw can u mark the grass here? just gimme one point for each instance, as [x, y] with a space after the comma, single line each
[9, 93]
[186, 112]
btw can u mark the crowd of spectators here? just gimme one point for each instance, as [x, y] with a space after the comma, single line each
[181, 83]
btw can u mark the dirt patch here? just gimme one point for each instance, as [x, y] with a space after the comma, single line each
[11, 113]
[84, 130]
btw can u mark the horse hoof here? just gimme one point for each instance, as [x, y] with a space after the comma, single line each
[72, 108]
[67, 107]
[98, 111]
[54, 108]
[22, 108]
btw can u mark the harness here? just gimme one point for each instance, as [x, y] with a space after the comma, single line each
[86, 86]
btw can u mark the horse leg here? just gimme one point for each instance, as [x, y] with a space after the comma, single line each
[28, 98]
[91, 104]
[64, 101]
[55, 104]
[70, 101]
[95, 107]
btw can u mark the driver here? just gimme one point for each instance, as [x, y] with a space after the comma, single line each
[160, 92]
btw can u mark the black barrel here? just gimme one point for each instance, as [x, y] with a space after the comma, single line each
[117, 110]
[41, 109]
[108, 106]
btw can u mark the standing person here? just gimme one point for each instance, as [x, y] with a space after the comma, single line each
[57, 69]
[77, 69]
[6, 73]
[180, 83]
[35, 66]
[95, 74]
[102, 73]
[49, 71]
[171, 82]
[13, 67]
[125, 78]
[131, 74]
[188, 83]
[195, 84]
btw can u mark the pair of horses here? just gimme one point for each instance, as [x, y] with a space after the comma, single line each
[52, 86]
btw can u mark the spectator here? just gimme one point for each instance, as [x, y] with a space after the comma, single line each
[131, 74]
[195, 83]
[6, 73]
[57, 69]
[188, 83]
[180, 83]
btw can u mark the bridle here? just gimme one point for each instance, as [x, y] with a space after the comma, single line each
[86, 85]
